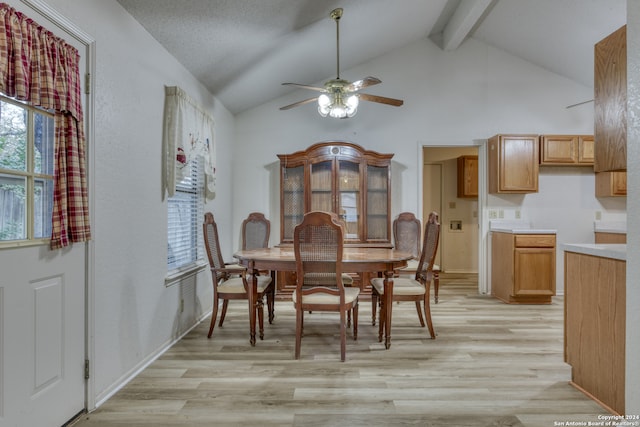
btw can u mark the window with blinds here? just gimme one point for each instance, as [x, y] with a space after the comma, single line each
[185, 216]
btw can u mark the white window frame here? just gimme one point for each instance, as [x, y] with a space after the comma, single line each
[31, 177]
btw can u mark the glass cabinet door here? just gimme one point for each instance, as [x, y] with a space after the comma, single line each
[292, 199]
[342, 178]
[349, 198]
[377, 200]
[322, 186]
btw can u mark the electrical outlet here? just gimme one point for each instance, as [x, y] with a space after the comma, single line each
[493, 214]
[500, 213]
[598, 215]
[517, 214]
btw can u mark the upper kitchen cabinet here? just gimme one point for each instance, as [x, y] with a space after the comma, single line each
[566, 150]
[338, 177]
[513, 163]
[468, 177]
[610, 102]
[611, 184]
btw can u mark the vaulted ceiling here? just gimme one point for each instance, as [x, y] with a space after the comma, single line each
[242, 50]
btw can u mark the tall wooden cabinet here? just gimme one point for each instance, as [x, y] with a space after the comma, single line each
[610, 102]
[340, 177]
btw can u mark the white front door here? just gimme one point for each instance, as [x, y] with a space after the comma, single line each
[42, 298]
[43, 308]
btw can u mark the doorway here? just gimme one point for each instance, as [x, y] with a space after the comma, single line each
[459, 216]
[44, 294]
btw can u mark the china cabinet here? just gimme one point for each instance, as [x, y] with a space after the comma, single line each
[343, 178]
[338, 177]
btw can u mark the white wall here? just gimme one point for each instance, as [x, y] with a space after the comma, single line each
[136, 316]
[451, 98]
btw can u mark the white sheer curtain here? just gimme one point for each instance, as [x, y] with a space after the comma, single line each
[187, 134]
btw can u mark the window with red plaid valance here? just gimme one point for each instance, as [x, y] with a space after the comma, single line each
[40, 68]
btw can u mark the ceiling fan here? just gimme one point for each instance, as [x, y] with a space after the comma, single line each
[339, 98]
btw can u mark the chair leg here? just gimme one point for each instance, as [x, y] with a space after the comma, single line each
[343, 335]
[427, 311]
[271, 297]
[419, 309]
[225, 303]
[214, 314]
[299, 314]
[382, 319]
[260, 313]
[436, 285]
[374, 307]
[355, 320]
[348, 318]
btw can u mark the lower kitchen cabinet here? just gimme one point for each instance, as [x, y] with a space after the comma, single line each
[523, 267]
[595, 317]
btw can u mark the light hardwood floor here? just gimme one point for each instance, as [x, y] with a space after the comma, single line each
[492, 364]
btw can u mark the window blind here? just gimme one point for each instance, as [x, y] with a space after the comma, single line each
[185, 216]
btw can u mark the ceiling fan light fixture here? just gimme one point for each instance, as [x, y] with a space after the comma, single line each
[334, 105]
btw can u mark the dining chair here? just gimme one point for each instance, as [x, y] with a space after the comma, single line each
[435, 270]
[230, 280]
[256, 229]
[407, 231]
[318, 244]
[407, 238]
[415, 289]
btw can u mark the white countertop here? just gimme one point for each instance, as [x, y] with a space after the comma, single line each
[605, 250]
[517, 227]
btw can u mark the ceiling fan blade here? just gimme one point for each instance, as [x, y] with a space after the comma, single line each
[381, 99]
[361, 84]
[296, 104]
[579, 103]
[319, 89]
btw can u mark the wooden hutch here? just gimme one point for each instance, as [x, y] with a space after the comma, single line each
[340, 177]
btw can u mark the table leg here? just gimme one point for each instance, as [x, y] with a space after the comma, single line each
[271, 298]
[251, 297]
[388, 304]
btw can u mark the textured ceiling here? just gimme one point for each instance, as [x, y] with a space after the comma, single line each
[242, 50]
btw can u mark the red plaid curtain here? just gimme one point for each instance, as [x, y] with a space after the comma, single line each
[42, 69]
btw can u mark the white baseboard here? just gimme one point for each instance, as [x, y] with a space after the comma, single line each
[144, 363]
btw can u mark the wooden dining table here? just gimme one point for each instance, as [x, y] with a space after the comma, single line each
[354, 260]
